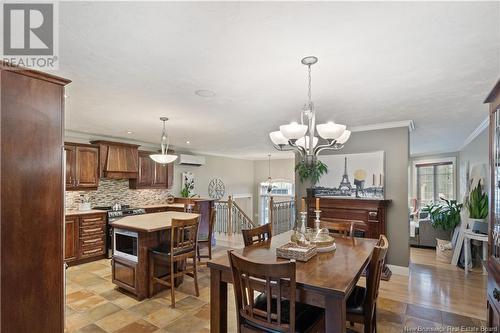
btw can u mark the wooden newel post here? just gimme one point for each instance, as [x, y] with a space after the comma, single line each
[271, 204]
[229, 215]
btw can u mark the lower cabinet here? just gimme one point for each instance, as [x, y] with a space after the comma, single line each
[85, 237]
[71, 239]
[124, 274]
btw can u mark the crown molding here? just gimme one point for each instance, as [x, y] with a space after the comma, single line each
[391, 124]
[479, 129]
[93, 136]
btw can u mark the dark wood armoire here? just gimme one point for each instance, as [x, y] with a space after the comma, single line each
[493, 261]
[31, 201]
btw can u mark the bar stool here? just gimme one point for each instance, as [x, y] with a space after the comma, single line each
[183, 246]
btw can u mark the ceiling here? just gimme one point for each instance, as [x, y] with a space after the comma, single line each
[132, 62]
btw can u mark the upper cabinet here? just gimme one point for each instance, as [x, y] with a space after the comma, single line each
[152, 174]
[118, 160]
[82, 166]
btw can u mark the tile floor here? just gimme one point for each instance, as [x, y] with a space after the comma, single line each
[95, 305]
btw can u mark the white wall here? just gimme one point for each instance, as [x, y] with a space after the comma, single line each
[477, 155]
[236, 174]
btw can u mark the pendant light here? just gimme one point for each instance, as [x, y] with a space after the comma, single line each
[269, 180]
[163, 158]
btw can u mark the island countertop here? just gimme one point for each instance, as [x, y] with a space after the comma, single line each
[152, 222]
[160, 205]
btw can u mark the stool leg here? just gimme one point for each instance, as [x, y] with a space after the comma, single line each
[195, 275]
[485, 255]
[172, 284]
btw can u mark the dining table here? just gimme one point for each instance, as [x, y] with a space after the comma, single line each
[326, 280]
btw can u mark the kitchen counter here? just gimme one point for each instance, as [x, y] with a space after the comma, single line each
[151, 222]
[167, 205]
[72, 212]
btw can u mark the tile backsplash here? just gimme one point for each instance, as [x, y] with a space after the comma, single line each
[111, 191]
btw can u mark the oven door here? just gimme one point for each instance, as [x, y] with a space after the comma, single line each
[125, 244]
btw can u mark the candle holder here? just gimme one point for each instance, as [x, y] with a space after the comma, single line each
[317, 222]
[303, 222]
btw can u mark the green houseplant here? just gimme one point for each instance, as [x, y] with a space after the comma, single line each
[477, 203]
[311, 171]
[444, 216]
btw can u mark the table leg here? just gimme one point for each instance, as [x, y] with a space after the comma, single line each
[485, 256]
[335, 315]
[218, 302]
[466, 255]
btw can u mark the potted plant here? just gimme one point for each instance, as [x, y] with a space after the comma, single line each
[444, 217]
[188, 187]
[477, 205]
[311, 171]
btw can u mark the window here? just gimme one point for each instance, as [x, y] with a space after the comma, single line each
[434, 180]
[280, 189]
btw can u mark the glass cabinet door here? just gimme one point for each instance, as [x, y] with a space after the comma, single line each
[495, 202]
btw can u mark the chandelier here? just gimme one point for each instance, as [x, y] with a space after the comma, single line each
[164, 157]
[301, 137]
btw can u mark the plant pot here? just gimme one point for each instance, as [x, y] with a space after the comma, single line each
[478, 225]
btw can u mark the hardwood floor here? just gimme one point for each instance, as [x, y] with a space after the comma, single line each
[440, 286]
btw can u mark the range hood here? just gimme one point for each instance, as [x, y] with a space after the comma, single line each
[118, 160]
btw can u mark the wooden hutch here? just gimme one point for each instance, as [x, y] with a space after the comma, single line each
[369, 215]
[493, 262]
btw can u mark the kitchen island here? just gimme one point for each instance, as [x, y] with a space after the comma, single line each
[133, 236]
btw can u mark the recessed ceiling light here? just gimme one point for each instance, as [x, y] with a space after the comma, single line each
[129, 132]
[188, 142]
[66, 96]
[205, 93]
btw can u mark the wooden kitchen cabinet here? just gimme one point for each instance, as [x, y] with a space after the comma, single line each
[82, 166]
[152, 174]
[71, 239]
[85, 238]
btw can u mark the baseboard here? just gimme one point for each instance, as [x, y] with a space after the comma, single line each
[399, 270]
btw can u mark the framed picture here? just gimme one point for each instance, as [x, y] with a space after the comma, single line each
[353, 175]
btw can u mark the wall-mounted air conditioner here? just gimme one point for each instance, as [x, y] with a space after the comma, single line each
[185, 159]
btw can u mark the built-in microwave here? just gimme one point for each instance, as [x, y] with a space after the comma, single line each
[125, 244]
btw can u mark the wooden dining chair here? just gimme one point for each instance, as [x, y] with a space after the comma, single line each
[275, 309]
[362, 303]
[207, 239]
[344, 228]
[257, 235]
[175, 255]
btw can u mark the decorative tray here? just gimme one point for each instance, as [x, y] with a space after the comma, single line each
[298, 252]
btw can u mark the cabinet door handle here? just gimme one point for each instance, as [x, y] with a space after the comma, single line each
[91, 241]
[496, 294]
[91, 230]
[93, 251]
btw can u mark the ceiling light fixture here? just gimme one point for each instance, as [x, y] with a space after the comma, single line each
[130, 132]
[205, 93]
[163, 158]
[300, 137]
[269, 179]
[188, 142]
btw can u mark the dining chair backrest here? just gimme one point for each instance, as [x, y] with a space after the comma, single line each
[274, 280]
[211, 222]
[344, 228]
[257, 235]
[184, 234]
[375, 269]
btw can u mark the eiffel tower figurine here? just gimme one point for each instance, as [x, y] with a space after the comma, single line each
[345, 185]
